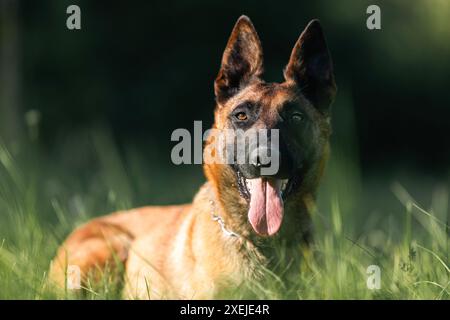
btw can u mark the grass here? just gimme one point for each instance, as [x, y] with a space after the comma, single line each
[359, 222]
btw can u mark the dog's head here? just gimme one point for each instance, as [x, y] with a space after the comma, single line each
[298, 109]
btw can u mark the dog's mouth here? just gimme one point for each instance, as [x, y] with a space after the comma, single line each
[265, 197]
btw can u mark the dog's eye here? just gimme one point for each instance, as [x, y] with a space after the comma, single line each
[297, 117]
[241, 116]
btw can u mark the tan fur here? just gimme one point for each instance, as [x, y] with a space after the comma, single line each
[181, 251]
[169, 252]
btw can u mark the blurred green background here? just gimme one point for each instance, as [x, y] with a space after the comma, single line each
[109, 95]
[86, 118]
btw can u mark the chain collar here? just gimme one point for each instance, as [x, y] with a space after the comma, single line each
[220, 221]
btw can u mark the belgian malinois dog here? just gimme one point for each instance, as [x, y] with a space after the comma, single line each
[191, 251]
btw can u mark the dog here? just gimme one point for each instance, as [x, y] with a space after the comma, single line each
[194, 250]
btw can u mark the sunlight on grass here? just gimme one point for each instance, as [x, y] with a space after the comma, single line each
[40, 203]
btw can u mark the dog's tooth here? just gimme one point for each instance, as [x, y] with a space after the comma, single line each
[284, 183]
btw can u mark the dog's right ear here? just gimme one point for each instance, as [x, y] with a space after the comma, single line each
[241, 62]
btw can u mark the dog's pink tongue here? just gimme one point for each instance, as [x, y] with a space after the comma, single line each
[266, 206]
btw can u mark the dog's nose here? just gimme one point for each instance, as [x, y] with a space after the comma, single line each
[255, 160]
[263, 157]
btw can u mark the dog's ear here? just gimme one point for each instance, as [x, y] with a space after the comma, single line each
[241, 62]
[311, 68]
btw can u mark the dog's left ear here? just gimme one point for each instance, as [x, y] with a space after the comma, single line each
[311, 68]
[242, 60]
